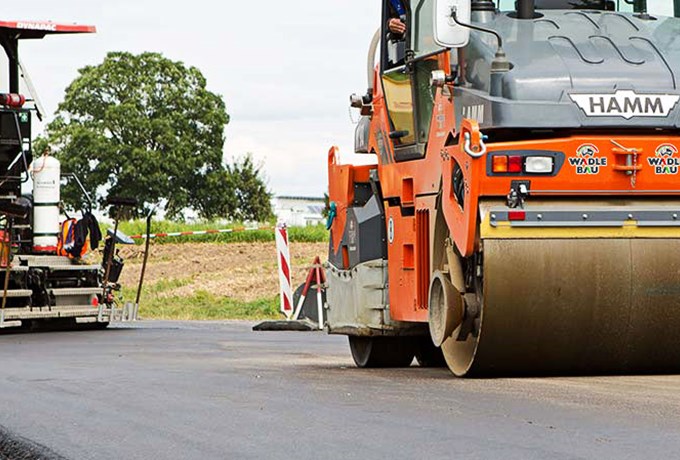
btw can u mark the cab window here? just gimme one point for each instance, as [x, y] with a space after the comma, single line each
[399, 97]
[408, 94]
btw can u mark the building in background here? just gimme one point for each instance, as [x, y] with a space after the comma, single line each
[298, 211]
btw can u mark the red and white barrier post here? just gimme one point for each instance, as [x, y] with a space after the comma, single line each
[320, 281]
[285, 281]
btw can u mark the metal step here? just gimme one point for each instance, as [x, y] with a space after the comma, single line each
[75, 291]
[73, 268]
[13, 267]
[65, 311]
[25, 262]
[44, 261]
[8, 324]
[15, 293]
[54, 263]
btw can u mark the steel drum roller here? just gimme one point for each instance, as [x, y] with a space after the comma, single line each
[561, 306]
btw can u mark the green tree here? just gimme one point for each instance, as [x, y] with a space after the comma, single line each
[241, 193]
[147, 127]
[253, 201]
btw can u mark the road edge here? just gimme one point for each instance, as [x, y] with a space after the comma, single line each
[15, 447]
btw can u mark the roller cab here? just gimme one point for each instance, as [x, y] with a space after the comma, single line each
[527, 190]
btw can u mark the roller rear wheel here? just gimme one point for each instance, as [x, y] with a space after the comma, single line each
[382, 351]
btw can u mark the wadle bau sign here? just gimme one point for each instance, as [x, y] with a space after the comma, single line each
[626, 104]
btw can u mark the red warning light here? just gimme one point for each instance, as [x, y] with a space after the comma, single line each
[12, 100]
[515, 164]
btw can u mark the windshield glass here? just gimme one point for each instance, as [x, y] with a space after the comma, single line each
[422, 25]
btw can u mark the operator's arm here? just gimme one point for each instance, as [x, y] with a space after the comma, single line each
[396, 26]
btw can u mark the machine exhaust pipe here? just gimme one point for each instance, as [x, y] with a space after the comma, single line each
[526, 9]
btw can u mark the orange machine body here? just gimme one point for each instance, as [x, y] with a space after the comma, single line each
[414, 191]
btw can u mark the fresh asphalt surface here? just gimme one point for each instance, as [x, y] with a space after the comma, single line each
[170, 390]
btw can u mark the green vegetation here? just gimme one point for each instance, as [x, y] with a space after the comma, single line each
[200, 306]
[310, 234]
[145, 126]
[158, 287]
[203, 305]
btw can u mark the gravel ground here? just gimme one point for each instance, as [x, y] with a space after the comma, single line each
[241, 271]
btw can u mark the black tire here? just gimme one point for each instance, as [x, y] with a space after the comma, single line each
[428, 355]
[382, 351]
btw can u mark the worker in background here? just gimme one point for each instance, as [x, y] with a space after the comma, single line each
[397, 21]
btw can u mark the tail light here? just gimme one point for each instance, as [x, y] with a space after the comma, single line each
[515, 164]
[500, 164]
[522, 164]
[507, 164]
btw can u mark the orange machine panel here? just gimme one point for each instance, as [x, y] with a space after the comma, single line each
[401, 240]
[599, 165]
[341, 180]
[588, 165]
[408, 251]
[461, 218]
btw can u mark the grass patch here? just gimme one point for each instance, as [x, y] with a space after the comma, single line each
[203, 305]
[309, 234]
[153, 289]
[165, 285]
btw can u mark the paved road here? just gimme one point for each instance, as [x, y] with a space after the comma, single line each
[217, 390]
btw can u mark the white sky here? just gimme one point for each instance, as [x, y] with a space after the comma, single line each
[285, 69]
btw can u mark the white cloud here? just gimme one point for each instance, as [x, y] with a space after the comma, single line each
[294, 152]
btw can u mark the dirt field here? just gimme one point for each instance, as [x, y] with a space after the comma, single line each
[240, 271]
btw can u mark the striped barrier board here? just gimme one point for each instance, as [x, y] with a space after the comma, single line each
[285, 281]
